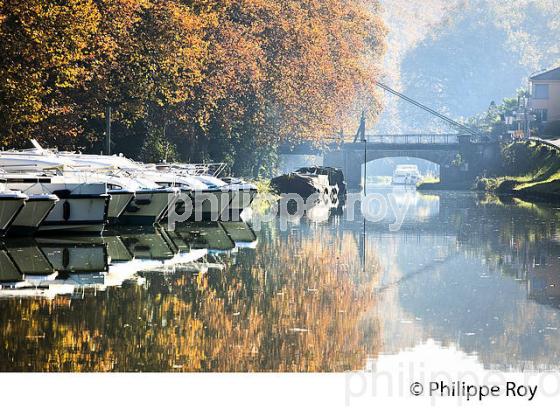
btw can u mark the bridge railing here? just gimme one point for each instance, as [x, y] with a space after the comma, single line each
[413, 139]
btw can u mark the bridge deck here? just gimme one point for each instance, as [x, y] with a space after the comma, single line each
[410, 142]
[389, 141]
[413, 139]
[400, 139]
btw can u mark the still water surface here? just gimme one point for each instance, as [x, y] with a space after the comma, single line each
[475, 273]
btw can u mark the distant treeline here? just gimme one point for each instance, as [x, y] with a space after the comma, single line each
[221, 80]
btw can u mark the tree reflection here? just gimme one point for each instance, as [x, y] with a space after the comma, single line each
[294, 304]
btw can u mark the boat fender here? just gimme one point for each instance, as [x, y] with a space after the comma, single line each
[132, 208]
[180, 207]
[334, 194]
[66, 210]
[65, 258]
[143, 201]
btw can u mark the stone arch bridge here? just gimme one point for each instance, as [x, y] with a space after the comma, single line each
[460, 157]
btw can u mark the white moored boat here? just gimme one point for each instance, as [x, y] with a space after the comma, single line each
[11, 204]
[37, 208]
[205, 201]
[134, 201]
[211, 198]
[82, 207]
[151, 201]
[242, 193]
[232, 196]
[406, 175]
[122, 190]
[149, 206]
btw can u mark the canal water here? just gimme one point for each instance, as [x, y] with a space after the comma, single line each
[325, 292]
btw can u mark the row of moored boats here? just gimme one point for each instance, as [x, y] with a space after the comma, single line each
[47, 191]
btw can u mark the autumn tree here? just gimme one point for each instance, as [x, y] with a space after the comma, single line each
[149, 57]
[45, 52]
[206, 80]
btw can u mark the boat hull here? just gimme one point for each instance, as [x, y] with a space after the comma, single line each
[303, 185]
[205, 205]
[242, 199]
[214, 205]
[86, 214]
[211, 205]
[82, 207]
[10, 206]
[35, 211]
[120, 199]
[148, 207]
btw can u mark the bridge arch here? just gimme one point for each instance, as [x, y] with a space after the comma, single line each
[440, 157]
[352, 157]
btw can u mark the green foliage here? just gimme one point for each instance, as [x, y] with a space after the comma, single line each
[266, 197]
[156, 148]
[529, 168]
[492, 121]
[529, 159]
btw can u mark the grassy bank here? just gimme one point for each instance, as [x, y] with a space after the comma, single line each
[530, 170]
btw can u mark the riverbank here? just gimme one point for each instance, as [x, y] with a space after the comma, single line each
[536, 174]
[530, 170]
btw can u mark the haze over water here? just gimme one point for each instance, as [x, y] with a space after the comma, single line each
[471, 272]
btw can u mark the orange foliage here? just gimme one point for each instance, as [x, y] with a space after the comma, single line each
[259, 71]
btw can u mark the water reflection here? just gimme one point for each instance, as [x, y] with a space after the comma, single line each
[481, 274]
[53, 266]
[289, 306]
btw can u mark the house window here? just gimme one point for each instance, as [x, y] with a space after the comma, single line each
[541, 114]
[541, 92]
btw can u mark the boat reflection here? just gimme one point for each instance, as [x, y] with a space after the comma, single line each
[286, 308]
[51, 266]
[318, 210]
